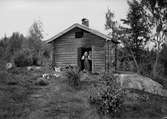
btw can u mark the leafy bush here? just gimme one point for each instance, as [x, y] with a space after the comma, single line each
[107, 95]
[26, 57]
[71, 73]
[23, 58]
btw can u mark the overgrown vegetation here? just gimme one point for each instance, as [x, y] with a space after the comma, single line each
[107, 96]
[16, 86]
[24, 58]
[72, 75]
[140, 104]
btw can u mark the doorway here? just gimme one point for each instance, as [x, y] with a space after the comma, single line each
[81, 52]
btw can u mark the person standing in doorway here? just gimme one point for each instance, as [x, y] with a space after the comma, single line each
[85, 57]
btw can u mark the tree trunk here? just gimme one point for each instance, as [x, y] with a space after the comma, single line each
[155, 66]
[136, 64]
[159, 41]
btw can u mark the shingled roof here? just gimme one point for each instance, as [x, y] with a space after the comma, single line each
[76, 25]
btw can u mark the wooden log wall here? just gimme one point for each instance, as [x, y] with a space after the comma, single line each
[66, 49]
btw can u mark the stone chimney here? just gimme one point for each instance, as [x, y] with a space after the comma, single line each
[85, 22]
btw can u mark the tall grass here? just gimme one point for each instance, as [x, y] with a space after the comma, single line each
[73, 76]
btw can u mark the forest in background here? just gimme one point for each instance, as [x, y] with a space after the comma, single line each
[25, 50]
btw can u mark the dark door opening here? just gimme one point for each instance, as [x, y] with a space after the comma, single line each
[81, 60]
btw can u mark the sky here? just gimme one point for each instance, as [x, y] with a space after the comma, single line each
[56, 15]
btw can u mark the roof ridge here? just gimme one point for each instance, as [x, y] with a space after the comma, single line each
[95, 32]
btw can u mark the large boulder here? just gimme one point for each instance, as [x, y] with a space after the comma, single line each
[135, 81]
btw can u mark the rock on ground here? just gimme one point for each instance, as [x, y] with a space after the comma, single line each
[41, 81]
[135, 81]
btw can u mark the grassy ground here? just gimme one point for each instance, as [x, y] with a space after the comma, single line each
[20, 98]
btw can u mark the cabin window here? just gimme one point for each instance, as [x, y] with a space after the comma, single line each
[79, 34]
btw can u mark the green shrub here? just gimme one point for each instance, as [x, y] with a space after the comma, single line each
[27, 57]
[107, 96]
[23, 58]
[71, 73]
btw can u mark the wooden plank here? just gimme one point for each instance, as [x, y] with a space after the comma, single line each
[99, 58]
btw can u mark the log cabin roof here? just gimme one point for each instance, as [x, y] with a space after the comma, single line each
[76, 25]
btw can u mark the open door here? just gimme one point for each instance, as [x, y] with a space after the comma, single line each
[81, 52]
[79, 58]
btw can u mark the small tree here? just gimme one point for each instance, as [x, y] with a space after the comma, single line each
[137, 32]
[110, 23]
[35, 44]
[36, 30]
[157, 15]
[35, 36]
[113, 30]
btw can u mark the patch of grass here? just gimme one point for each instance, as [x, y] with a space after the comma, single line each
[59, 100]
[65, 103]
[152, 108]
[15, 88]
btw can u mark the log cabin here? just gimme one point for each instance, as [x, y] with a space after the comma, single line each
[69, 46]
